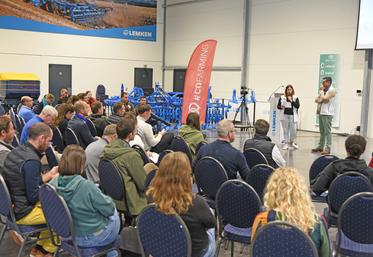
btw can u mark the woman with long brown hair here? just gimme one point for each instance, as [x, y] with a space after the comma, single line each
[191, 132]
[65, 113]
[289, 102]
[171, 191]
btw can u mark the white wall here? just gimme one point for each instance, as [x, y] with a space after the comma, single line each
[94, 60]
[285, 42]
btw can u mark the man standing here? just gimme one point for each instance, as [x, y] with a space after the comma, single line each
[127, 104]
[6, 138]
[25, 111]
[326, 110]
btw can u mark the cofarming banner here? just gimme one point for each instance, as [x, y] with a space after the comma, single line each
[124, 19]
[197, 80]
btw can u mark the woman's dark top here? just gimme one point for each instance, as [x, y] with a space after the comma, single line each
[289, 111]
[198, 219]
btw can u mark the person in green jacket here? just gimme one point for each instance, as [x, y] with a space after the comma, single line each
[129, 164]
[96, 221]
[191, 132]
[287, 199]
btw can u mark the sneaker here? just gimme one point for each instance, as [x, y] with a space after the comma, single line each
[294, 145]
[17, 238]
[316, 150]
[285, 147]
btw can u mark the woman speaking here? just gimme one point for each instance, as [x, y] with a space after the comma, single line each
[290, 104]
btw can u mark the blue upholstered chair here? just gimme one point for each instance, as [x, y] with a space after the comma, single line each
[237, 205]
[254, 157]
[258, 177]
[163, 235]
[210, 175]
[60, 222]
[71, 138]
[316, 168]
[179, 145]
[149, 178]
[355, 226]
[162, 155]
[199, 146]
[279, 239]
[51, 157]
[343, 187]
[8, 220]
[57, 140]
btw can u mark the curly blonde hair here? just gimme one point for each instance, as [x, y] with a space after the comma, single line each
[287, 194]
[171, 188]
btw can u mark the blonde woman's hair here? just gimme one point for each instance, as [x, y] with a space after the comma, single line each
[287, 193]
[171, 188]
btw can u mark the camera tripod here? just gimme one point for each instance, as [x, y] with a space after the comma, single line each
[244, 124]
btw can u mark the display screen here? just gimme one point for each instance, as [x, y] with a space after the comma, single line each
[364, 38]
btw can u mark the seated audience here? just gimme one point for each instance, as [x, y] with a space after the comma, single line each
[191, 132]
[25, 111]
[79, 124]
[264, 144]
[72, 99]
[64, 96]
[287, 199]
[118, 112]
[24, 187]
[83, 97]
[65, 113]
[127, 104]
[94, 152]
[6, 138]
[98, 118]
[96, 221]
[129, 163]
[48, 115]
[141, 102]
[91, 98]
[158, 143]
[222, 150]
[48, 99]
[355, 147]
[171, 191]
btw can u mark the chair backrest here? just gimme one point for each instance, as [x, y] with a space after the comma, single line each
[319, 165]
[355, 219]
[179, 145]
[51, 157]
[345, 186]
[254, 157]
[163, 235]
[71, 138]
[22, 122]
[282, 239]
[6, 209]
[210, 175]
[258, 177]
[149, 178]
[162, 155]
[92, 127]
[17, 123]
[13, 117]
[57, 140]
[15, 142]
[100, 92]
[199, 146]
[237, 203]
[110, 180]
[142, 153]
[56, 212]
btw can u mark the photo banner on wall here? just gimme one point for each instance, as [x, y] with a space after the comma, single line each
[123, 19]
[197, 80]
[330, 67]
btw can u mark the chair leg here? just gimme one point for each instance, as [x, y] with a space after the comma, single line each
[242, 247]
[2, 233]
[20, 251]
[218, 247]
[232, 248]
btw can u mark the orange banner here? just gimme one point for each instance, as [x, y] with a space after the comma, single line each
[197, 80]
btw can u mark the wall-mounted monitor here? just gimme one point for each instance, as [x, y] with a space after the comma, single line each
[364, 37]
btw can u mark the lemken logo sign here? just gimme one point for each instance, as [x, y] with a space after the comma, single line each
[135, 33]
